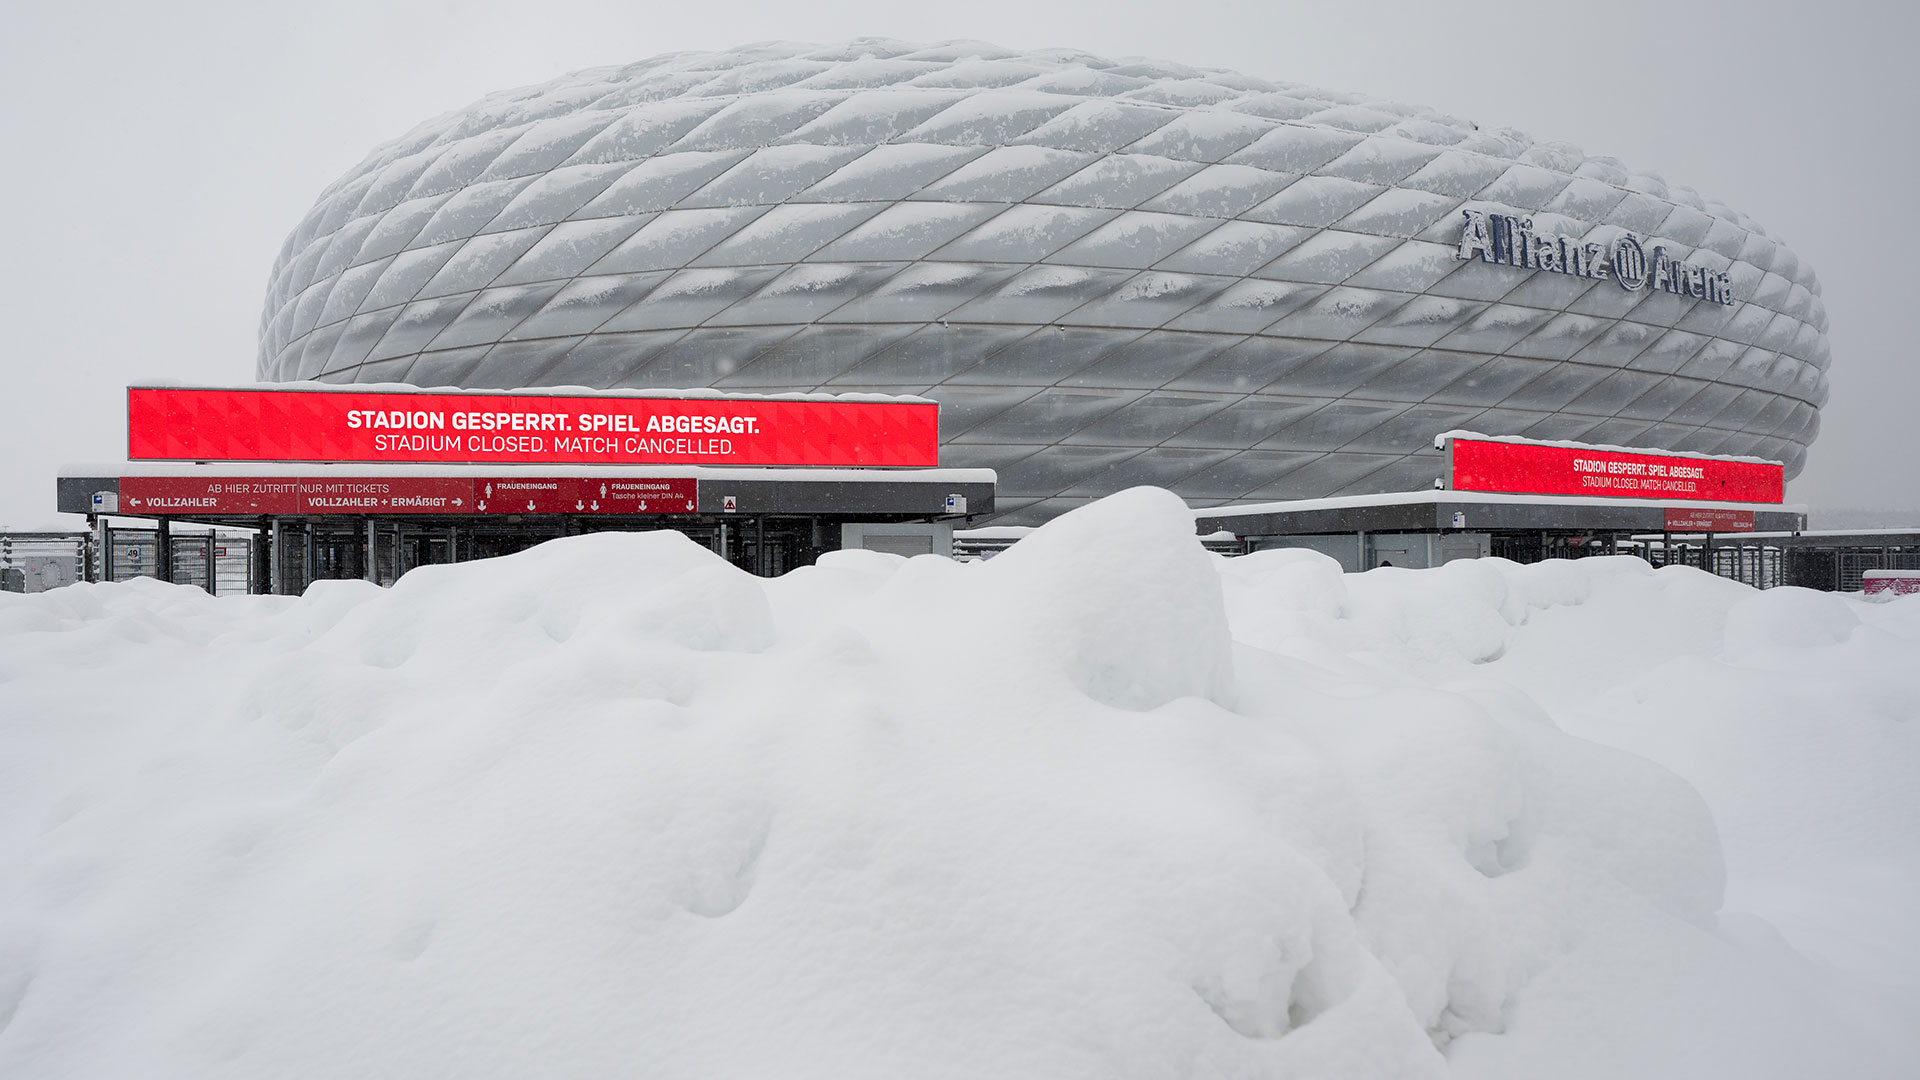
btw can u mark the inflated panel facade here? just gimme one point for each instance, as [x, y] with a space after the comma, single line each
[1108, 272]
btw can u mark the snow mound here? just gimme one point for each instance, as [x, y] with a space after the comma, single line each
[1788, 619]
[1105, 805]
[1119, 597]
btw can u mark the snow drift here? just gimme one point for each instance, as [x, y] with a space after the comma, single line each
[1105, 806]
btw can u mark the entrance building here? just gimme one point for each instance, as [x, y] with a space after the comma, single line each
[1531, 500]
[317, 521]
[369, 483]
[1421, 529]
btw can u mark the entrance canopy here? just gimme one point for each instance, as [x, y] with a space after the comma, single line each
[370, 481]
[1439, 511]
[1427, 528]
[241, 493]
[379, 521]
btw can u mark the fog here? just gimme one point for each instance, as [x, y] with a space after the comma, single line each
[157, 157]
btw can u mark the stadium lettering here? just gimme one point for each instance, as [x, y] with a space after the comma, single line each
[705, 425]
[397, 418]
[1508, 240]
[417, 443]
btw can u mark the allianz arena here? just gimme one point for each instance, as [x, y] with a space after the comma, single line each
[1108, 272]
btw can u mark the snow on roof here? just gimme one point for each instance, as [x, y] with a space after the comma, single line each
[1910, 530]
[878, 475]
[1447, 495]
[1440, 443]
[701, 393]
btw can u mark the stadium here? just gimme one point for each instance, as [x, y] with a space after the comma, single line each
[1107, 272]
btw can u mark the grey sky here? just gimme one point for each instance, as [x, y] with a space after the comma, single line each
[156, 157]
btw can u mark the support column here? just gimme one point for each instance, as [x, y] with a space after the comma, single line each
[276, 558]
[371, 552]
[163, 550]
[213, 583]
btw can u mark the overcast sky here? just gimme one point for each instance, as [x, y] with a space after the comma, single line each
[156, 155]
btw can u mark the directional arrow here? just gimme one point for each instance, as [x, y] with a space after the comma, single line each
[133, 502]
[595, 505]
[481, 505]
[643, 504]
[689, 504]
[529, 504]
[578, 505]
[456, 502]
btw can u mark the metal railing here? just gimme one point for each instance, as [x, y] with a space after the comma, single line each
[32, 562]
[38, 561]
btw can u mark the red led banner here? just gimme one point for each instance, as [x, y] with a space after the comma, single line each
[187, 424]
[1534, 469]
[165, 496]
[1887, 584]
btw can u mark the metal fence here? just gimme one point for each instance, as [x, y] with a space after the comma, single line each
[1855, 564]
[221, 563]
[1750, 564]
[36, 562]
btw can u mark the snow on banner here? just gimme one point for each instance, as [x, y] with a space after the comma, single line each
[198, 424]
[1523, 468]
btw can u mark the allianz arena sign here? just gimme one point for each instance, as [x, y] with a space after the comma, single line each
[1629, 261]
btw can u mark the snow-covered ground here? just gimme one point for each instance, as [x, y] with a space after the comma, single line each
[1105, 806]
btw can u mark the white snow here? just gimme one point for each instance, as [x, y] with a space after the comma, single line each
[1103, 806]
[698, 276]
[1492, 498]
[877, 474]
[1441, 440]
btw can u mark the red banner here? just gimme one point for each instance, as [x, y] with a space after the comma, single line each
[186, 424]
[1887, 584]
[1687, 519]
[1532, 469]
[386, 496]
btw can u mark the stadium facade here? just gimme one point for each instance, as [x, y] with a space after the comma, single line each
[1108, 272]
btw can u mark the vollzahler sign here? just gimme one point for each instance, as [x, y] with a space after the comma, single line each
[1630, 262]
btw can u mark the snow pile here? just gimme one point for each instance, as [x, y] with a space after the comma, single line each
[1103, 806]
